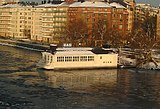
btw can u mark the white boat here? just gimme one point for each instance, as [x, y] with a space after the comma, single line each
[78, 58]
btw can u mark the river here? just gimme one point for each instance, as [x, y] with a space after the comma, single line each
[23, 86]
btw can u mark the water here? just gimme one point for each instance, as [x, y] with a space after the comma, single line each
[23, 86]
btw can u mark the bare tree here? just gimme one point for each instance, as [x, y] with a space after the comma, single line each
[77, 32]
[115, 39]
[57, 37]
[100, 29]
[143, 46]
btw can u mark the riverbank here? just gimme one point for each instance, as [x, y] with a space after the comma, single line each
[25, 44]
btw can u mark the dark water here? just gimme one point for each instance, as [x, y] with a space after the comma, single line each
[23, 86]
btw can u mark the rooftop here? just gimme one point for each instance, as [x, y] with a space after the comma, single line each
[72, 53]
[90, 4]
[117, 5]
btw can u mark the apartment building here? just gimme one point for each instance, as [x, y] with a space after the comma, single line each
[143, 10]
[37, 24]
[90, 12]
[131, 11]
[130, 6]
[114, 14]
[119, 18]
[16, 21]
[53, 18]
[47, 22]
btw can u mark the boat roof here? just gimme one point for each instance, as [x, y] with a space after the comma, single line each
[83, 51]
[74, 49]
[66, 53]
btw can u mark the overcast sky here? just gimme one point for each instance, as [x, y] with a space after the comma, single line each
[152, 2]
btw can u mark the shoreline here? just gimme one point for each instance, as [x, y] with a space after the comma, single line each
[24, 45]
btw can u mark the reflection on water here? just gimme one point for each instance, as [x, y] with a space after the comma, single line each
[14, 59]
[80, 80]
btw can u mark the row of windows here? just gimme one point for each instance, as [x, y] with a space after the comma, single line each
[116, 9]
[107, 61]
[58, 18]
[59, 9]
[22, 17]
[52, 14]
[117, 15]
[75, 58]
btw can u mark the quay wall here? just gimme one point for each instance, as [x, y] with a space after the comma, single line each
[24, 44]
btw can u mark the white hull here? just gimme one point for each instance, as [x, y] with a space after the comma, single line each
[50, 67]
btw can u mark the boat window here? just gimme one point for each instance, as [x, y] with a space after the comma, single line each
[68, 58]
[75, 58]
[45, 57]
[83, 58]
[48, 57]
[51, 59]
[60, 59]
[90, 58]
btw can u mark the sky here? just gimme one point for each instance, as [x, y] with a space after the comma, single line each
[152, 2]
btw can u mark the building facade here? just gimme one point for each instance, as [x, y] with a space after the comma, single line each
[144, 10]
[131, 11]
[52, 18]
[47, 22]
[16, 21]
[119, 18]
[114, 14]
[5, 21]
